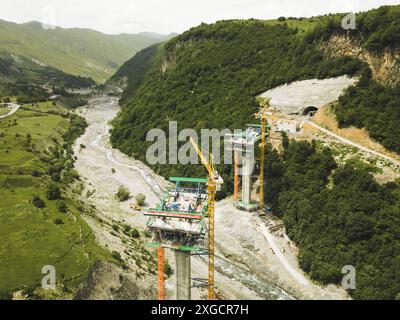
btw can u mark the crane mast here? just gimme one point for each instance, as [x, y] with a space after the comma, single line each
[214, 183]
[263, 115]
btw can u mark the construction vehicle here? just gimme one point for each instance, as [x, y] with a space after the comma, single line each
[136, 207]
[215, 182]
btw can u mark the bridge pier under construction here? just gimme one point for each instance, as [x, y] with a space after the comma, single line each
[177, 223]
[183, 275]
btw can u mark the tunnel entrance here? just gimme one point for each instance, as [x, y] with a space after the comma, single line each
[310, 111]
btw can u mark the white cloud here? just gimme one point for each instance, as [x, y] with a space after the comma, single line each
[132, 16]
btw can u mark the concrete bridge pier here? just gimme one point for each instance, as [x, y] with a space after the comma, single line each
[246, 180]
[183, 275]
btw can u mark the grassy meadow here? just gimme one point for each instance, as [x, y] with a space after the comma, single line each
[32, 237]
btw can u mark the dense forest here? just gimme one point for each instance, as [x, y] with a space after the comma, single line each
[375, 29]
[338, 217]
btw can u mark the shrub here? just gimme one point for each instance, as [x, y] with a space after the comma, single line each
[116, 255]
[5, 295]
[135, 234]
[62, 207]
[123, 194]
[168, 269]
[35, 173]
[53, 193]
[38, 202]
[56, 177]
[58, 221]
[140, 199]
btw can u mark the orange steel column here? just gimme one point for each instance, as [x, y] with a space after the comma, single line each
[262, 159]
[236, 179]
[161, 276]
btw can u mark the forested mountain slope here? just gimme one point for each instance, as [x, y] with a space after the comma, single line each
[375, 102]
[339, 216]
[81, 52]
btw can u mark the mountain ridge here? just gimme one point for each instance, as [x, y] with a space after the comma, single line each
[83, 52]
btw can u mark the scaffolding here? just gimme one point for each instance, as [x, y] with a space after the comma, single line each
[243, 146]
[177, 224]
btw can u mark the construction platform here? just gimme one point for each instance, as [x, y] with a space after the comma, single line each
[177, 224]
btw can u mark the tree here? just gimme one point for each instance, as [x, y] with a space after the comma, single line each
[58, 221]
[140, 199]
[38, 202]
[62, 207]
[116, 255]
[53, 192]
[123, 194]
[5, 295]
[135, 234]
[35, 173]
[285, 140]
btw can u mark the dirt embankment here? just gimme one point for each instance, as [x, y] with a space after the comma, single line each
[385, 67]
[108, 281]
[327, 119]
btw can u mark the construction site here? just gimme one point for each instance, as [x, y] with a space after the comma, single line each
[184, 221]
[203, 252]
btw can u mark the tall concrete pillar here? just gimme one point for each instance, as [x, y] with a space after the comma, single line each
[246, 180]
[182, 275]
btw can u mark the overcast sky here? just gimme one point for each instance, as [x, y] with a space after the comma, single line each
[166, 16]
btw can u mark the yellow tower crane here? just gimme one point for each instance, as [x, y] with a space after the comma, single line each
[263, 115]
[214, 184]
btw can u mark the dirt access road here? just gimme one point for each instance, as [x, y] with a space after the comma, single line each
[14, 109]
[353, 144]
[247, 265]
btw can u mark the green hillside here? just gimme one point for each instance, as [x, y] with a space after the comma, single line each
[76, 51]
[28, 81]
[40, 222]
